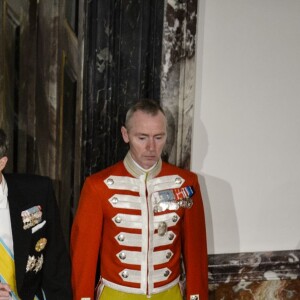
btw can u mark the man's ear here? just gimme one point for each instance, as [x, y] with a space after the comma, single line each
[125, 134]
[3, 162]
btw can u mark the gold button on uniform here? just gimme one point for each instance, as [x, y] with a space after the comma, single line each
[41, 244]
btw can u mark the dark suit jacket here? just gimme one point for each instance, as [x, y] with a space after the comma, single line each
[53, 276]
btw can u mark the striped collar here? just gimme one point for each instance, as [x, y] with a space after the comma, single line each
[133, 168]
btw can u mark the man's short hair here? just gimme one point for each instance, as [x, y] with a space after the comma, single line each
[3, 143]
[147, 106]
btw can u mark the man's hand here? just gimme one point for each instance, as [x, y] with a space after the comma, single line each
[5, 292]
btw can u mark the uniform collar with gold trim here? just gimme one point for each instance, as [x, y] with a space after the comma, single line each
[133, 168]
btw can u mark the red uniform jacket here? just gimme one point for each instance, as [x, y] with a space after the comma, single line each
[140, 242]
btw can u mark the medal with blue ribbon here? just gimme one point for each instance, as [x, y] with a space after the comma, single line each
[172, 199]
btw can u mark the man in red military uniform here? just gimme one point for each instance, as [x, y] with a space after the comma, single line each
[142, 217]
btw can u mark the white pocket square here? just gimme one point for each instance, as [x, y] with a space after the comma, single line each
[38, 226]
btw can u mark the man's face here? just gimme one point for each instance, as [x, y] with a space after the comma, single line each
[146, 135]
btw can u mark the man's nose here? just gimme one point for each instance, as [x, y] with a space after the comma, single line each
[151, 144]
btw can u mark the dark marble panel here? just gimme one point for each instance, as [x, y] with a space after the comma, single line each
[257, 276]
[122, 65]
[257, 290]
[255, 266]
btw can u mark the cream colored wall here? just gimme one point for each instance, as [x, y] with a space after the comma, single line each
[246, 132]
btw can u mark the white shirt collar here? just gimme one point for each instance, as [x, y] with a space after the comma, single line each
[3, 193]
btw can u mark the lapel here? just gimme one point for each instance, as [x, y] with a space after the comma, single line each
[21, 238]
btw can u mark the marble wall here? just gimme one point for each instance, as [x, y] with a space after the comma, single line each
[140, 49]
[178, 77]
[123, 62]
[255, 276]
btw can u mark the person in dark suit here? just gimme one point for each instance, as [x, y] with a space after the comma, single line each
[34, 262]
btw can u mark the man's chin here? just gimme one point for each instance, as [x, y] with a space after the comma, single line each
[149, 162]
